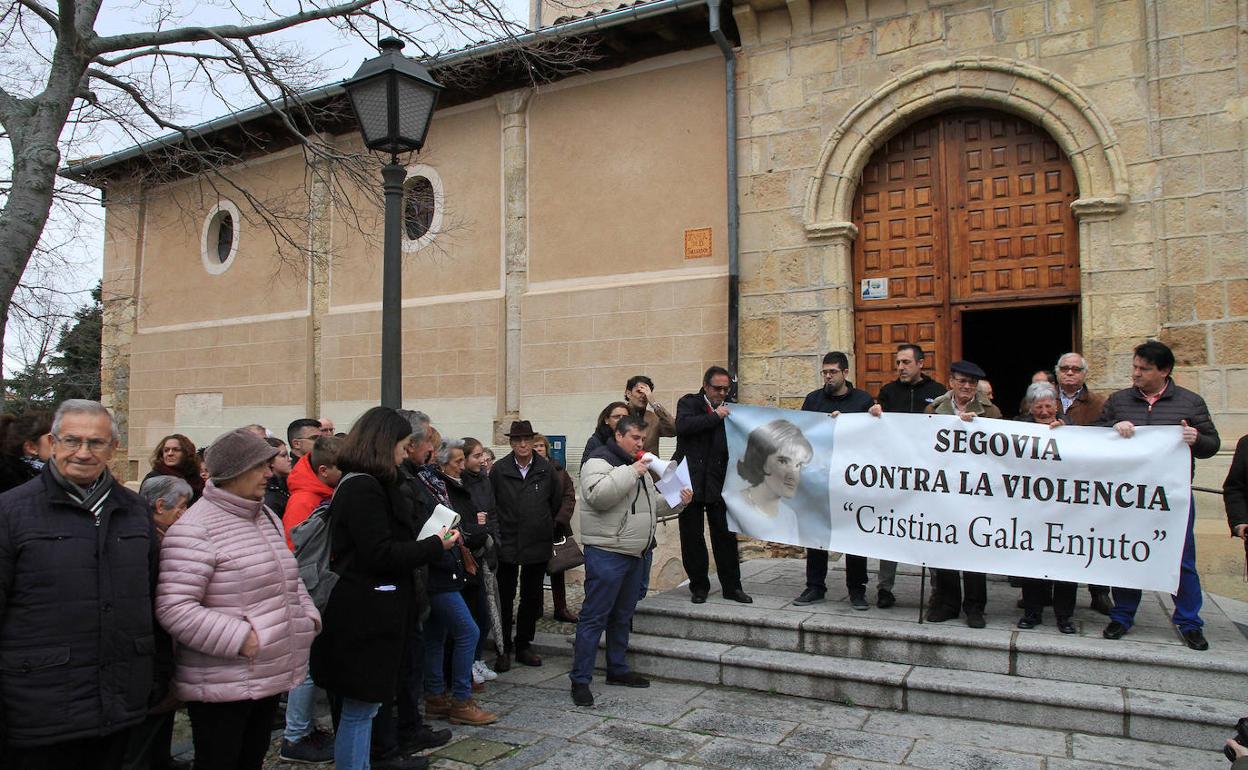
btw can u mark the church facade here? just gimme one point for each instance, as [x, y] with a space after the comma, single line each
[993, 179]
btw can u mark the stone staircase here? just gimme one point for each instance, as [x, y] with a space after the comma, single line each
[1146, 686]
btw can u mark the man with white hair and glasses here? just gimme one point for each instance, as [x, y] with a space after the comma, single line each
[1077, 405]
[78, 562]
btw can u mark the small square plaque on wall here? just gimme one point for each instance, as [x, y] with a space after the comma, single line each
[698, 243]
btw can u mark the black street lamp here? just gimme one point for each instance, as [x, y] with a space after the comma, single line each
[394, 98]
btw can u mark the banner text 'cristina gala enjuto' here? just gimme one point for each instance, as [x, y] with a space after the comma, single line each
[1068, 503]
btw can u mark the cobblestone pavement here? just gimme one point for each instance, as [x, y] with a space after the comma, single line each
[678, 725]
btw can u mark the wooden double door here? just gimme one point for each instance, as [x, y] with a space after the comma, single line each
[960, 212]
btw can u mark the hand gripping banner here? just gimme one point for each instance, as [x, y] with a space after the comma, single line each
[996, 496]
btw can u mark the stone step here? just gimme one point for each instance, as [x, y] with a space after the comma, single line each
[1175, 719]
[1165, 666]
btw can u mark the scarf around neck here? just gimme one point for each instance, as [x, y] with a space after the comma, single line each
[90, 499]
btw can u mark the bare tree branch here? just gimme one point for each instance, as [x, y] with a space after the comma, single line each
[235, 32]
[47, 14]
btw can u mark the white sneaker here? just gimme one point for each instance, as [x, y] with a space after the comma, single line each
[480, 667]
[477, 678]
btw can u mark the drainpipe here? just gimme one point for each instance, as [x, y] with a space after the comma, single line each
[734, 210]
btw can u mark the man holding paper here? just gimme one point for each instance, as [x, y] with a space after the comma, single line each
[619, 508]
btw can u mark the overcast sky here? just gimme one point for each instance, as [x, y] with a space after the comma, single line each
[333, 54]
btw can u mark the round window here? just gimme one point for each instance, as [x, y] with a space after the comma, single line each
[422, 207]
[418, 207]
[219, 243]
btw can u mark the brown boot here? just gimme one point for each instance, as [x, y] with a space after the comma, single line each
[559, 596]
[438, 705]
[467, 712]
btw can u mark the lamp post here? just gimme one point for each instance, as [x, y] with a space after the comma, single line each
[393, 98]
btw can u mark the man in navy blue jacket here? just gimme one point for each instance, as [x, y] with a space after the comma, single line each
[836, 396]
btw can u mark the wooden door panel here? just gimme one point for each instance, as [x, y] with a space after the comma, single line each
[879, 332]
[1011, 231]
[901, 235]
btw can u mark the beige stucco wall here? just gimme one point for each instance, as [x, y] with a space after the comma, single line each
[463, 150]
[268, 274]
[620, 167]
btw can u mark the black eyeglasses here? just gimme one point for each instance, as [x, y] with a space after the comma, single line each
[719, 388]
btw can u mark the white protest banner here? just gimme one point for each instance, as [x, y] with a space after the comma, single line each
[995, 496]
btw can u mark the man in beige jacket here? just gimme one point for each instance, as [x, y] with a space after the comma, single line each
[618, 510]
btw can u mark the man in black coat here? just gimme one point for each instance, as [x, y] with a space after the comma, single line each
[1155, 399]
[527, 494]
[836, 396]
[910, 393]
[701, 439]
[78, 642]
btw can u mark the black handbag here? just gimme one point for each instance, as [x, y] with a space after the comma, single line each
[565, 554]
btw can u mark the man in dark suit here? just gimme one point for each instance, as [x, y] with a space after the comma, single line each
[700, 439]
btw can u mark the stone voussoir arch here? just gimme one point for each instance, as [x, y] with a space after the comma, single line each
[1040, 96]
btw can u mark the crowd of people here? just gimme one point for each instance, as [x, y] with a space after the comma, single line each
[320, 567]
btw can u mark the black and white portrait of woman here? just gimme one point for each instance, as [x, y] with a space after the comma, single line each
[771, 467]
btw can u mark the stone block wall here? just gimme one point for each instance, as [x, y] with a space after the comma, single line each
[579, 347]
[203, 381]
[1147, 99]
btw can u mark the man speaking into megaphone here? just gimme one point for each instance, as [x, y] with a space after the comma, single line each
[619, 508]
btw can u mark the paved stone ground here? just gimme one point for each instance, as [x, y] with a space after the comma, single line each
[675, 725]
[678, 725]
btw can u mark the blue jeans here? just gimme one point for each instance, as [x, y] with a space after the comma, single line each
[300, 711]
[648, 558]
[448, 613]
[355, 734]
[1187, 601]
[612, 585]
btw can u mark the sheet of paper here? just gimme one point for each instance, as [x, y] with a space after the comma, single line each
[675, 478]
[441, 517]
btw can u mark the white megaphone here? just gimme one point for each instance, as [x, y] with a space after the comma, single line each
[660, 467]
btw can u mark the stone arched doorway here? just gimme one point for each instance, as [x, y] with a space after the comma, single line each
[965, 236]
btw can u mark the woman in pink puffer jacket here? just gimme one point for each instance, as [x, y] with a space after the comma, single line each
[230, 595]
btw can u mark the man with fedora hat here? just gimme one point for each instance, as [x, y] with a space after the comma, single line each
[952, 596]
[528, 494]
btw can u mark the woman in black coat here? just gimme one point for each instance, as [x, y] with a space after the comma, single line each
[450, 599]
[605, 427]
[375, 552]
[25, 445]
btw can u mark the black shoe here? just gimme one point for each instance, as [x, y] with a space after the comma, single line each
[629, 679]
[885, 599]
[527, 657]
[737, 595]
[311, 750]
[401, 762]
[581, 695]
[1114, 630]
[1195, 639]
[1066, 626]
[699, 597]
[940, 614]
[1030, 620]
[975, 618]
[858, 600]
[809, 596]
[502, 663]
[1101, 602]
[423, 738]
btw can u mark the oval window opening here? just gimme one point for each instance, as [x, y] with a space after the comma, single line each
[418, 205]
[225, 236]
